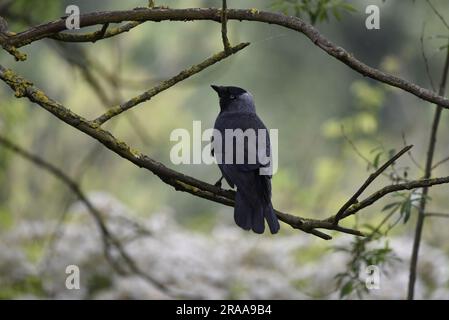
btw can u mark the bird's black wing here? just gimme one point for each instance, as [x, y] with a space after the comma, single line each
[246, 121]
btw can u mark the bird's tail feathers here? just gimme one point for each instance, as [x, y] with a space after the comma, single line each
[271, 218]
[249, 218]
[241, 212]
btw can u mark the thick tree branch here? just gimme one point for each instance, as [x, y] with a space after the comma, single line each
[161, 14]
[187, 73]
[4, 35]
[181, 182]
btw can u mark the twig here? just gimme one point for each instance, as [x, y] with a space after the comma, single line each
[100, 34]
[424, 56]
[439, 163]
[368, 181]
[374, 197]
[187, 73]
[368, 161]
[4, 36]
[224, 27]
[438, 14]
[354, 147]
[410, 155]
[437, 214]
[80, 60]
[104, 33]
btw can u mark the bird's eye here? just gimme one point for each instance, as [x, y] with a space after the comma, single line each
[232, 97]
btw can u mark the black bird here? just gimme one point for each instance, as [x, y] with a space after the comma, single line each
[253, 197]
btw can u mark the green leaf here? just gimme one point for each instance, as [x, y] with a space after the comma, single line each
[346, 289]
[376, 160]
[406, 209]
[391, 153]
[391, 205]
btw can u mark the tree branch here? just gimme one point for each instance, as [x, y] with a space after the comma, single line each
[424, 56]
[187, 73]
[4, 35]
[416, 184]
[437, 214]
[438, 14]
[427, 174]
[181, 182]
[95, 36]
[368, 181]
[224, 27]
[439, 163]
[161, 14]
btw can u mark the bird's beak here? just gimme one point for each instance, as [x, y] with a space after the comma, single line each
[216, 88]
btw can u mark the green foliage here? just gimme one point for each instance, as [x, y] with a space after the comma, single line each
[97, 282]
[30, 285]
[403, 204]
[315, 10]
[361, 251]
[6, 219]
[350, 281]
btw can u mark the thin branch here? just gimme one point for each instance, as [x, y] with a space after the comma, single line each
[410, 155]
[368, 181]
[380, 225]
[224, 27]
[354, 147]
[81, 61]
[294, 23]
[437, 214]
[439, 163]
[187, 73]
[438, 14]
[424, 56]
[374, 197]
[425, 191]
[100, 34]
[4, 36]
[104, 33]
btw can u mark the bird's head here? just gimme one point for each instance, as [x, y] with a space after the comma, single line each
[234, 99]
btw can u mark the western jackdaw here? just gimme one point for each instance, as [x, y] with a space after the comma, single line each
[253, 196]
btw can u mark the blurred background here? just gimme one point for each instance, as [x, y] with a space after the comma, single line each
[191, 245]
